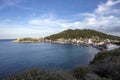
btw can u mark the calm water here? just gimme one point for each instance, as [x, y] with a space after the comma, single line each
[15, 57]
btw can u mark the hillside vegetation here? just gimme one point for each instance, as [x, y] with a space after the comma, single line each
[107, 64]
[77, 33]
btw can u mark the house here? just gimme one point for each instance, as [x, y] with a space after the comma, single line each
[90, 41]
[101, 43]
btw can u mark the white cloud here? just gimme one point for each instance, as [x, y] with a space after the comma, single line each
[49, 23]
[104, 7]
[20, 32]
[103, 18]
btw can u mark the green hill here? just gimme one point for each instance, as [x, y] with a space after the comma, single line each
[77, 33]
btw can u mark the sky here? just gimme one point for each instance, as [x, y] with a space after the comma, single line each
[40, 18]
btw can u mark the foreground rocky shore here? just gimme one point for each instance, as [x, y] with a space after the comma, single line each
[105, 66]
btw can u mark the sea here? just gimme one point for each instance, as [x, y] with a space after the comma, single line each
[18, 57]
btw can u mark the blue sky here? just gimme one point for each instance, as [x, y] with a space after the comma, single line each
[40, 18]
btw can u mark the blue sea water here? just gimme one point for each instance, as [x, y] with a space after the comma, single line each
[16, 57]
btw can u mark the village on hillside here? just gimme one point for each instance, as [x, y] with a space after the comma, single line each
[95, 41]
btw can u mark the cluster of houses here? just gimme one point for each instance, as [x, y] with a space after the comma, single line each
[94, 41]
[98, 43]
[84, 41]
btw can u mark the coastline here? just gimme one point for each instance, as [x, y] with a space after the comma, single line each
[101, 47]
[104, 47]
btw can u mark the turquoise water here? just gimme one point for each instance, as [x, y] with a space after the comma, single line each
[15, 57]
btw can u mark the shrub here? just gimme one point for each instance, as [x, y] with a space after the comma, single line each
[80, 72]
[37, 74]
[102, 79]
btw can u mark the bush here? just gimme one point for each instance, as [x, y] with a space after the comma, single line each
[80, 72]
[102, 79]
[33, 74]
[37, 74]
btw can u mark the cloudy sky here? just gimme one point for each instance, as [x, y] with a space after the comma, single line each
[39, 18]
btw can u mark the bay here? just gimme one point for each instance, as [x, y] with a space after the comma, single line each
[16, 57]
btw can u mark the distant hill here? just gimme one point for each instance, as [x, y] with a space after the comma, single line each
[77, 33]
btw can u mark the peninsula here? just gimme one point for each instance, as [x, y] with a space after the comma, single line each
[83, 37]
[28, 40]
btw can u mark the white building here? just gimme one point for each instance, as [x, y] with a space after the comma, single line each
[90, 41]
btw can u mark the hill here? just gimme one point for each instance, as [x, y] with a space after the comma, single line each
[77, 33]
